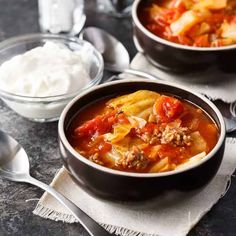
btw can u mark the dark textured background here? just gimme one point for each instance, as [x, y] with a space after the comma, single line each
[40, 142]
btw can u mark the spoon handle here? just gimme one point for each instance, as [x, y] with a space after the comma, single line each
[91, 226]
[141, 73]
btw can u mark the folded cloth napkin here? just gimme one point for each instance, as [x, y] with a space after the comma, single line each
[171, 212]
[212, 82]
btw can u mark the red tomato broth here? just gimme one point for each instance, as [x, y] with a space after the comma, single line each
[94, 146]
[211, 27]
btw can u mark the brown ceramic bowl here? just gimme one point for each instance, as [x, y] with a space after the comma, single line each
[117, 185]
[176, 57]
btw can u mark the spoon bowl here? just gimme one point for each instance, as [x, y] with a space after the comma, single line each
[14, 164]
[115, 55]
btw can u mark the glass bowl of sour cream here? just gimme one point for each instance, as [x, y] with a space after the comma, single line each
[41, 73]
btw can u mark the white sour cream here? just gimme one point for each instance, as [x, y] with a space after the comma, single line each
[49, 70]
[45, 71]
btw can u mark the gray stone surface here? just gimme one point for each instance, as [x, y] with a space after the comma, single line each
[40, 142]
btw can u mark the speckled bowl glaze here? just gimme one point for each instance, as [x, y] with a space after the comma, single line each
[176, 57]
[117, 185]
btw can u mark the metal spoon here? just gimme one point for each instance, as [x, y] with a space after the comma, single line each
[115, 55]
[230, 124]
[14, 165]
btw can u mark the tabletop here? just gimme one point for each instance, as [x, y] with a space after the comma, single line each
[17, 201]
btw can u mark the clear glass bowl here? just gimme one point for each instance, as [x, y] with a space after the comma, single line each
[44, 109]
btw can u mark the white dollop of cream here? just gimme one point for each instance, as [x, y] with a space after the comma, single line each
[48, 70]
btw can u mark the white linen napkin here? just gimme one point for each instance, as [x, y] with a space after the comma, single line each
[212, 82]
[171, 212]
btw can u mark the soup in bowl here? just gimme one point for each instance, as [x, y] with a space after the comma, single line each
[186, 35]
[141, 138]
[203, 23]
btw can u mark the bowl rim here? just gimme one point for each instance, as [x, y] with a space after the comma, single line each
[154, 37]
[75, 154]
[34, 37]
